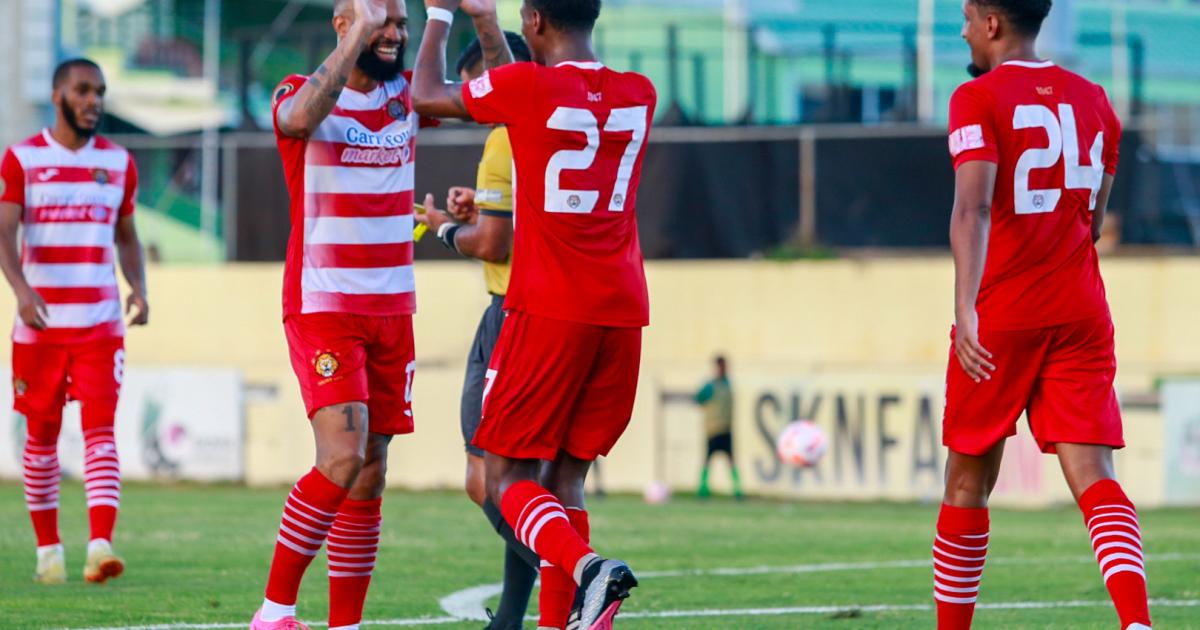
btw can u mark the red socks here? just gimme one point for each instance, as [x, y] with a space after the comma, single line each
[541, 524]
[352, 545]
[308, 514]
[42, 476]
[101, 479]
[959, 551]
[1112, 524]
[558, 586]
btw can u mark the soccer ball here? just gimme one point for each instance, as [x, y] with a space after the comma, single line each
[801, 444]
[656, 493]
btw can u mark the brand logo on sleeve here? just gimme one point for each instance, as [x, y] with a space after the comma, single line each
[965, 139]
[482, 86]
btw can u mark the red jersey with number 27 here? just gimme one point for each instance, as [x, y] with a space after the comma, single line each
[578, 133]
[1052, 134]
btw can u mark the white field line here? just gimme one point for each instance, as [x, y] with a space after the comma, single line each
[707, 612]
[467, 604]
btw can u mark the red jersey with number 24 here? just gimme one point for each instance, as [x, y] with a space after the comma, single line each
[578, 134]
[1052, 134]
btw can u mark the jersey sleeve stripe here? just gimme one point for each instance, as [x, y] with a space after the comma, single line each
[358, 230]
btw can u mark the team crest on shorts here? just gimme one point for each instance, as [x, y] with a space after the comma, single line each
[396, 109]
[100, 176]
[326, 364]
[19, 387]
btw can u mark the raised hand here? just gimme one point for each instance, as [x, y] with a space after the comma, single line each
[479, 8]
[449, 5]
[370, 14]
[460, 203]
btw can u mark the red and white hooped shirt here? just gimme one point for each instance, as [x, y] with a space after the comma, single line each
[70, 202]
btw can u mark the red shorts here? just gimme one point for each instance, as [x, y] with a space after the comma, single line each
[557, 386]
[1061, 375]
[46, 375]
[341, 358]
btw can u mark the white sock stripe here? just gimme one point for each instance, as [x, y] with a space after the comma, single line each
[956, 557]
[316, 542]
[43, 483]
[1116, 524]
[955, 578]
[534, 503]
[346, 574]
[294, 497]
[41, 507]
[1124, 568]
[298, 511]
[526, 522]
[970, 535]
[352, 565]
[939, 538]
[308, 528]
[294, 547]
[1120, 557]
[357, 529]
[1112, 515]
[956, 589]
[334, 543]
[1109, 506]
[954, 600]
[103, 503]
[97, 495]
[955, 567]
[338, 554]
[546, 518]
[1119, 545]
[1114, 534]
[332, 534]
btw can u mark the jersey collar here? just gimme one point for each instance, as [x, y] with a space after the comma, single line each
[583, 65]
[49, 138]
[1029, 64]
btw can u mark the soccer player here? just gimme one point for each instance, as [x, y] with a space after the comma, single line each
[562, 380]
[346, 135]
[1035, 150]
[72, 193]
[716, 399]
[483, 230]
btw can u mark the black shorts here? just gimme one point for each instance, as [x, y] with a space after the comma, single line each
[720, 443]
[477, 366]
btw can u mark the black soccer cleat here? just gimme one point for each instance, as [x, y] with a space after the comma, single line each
[605, 585]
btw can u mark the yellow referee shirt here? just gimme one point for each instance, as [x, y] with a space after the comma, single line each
[494, 197]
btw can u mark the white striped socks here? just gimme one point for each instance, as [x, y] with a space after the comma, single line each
[959, 552]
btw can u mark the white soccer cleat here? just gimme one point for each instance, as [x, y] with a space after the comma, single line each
[1137, 626]
[102, 563]
[51, 565]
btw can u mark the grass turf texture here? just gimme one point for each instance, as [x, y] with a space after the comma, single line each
[200, 554]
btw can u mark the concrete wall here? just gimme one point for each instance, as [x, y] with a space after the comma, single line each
[868, 338]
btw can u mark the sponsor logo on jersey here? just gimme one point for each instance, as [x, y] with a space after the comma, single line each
[396, 109]
[100, 176]
[361, 137]
[482, 86]
[1045, 91]
[326, 364]
[377, 157]
[965, 139]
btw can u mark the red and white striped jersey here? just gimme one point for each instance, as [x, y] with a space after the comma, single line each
[351, 187]
[71, 201]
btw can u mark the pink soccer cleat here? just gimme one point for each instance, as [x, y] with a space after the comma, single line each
[287, 623]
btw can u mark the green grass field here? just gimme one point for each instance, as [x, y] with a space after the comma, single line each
[198, 555]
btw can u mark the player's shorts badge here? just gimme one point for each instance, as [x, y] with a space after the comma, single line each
[396, 109]
[326, 364]
[100, 176]
[19, 387]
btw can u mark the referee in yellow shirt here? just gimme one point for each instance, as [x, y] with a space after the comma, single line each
[480, 225]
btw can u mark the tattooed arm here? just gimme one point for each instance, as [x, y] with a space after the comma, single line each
[491, 37]
[300, 115]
